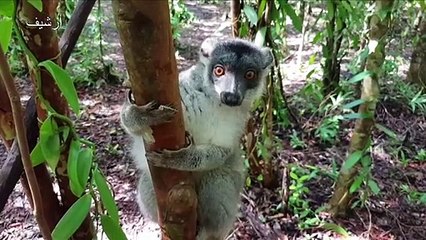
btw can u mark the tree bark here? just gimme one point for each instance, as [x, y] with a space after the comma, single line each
[417, 71]
[12, 168]
[7, 127]
[340, 200]
[235, 17]
[146, 40]
[43, 43]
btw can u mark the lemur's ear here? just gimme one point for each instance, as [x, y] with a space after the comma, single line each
[268, 57]
[207, 47]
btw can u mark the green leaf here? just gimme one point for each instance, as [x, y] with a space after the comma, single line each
[85, 159]
[317, 38]
[352, 160]
[423, 198]
[356, 116]
[6, 26]
[360, 76]
[106, 196]
[65, 131]
[356, 184]
[72, 168]
[366, 161]
[330, 10]
[347, 6]
[260, 37]
[72, 219]
[112, 228]
[354, 104]
[64, 82]
[37, 156]
[37, 4]
[294, 175]
[296, 20]
[248, 181]
[261, 9]
[49, 142]
[244, 30]
[251, 14]
[373, 186]
[6, 8]
[387, 131]
[335, 228]
[339, 23]
[423, 5]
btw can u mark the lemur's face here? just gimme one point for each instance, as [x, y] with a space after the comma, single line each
[237, 70]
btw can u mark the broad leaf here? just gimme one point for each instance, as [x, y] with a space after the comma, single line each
[352, 160]
[64, 82]
[72, 168]
[37, 4]
[112, 228]
[296, 20]
[106, 196]
[85, 159]
[317, 38]
[335, 228]
[251, 14]
[356, 184]
[37, 156]
[356, 116]
[260, 37]
[360, 76]
[6, 26]
[261, 9]
[49, 142]
[387, 131]
[6, 8]
[354, 104]
[373, 186]
[73, 218]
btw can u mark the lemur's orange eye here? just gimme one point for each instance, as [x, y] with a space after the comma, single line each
[250, 75]
[218, 70]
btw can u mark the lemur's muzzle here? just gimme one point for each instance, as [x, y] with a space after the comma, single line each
[231, 99]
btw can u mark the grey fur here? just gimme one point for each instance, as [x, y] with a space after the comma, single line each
[216, 126]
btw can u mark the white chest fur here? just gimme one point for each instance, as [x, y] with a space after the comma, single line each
[210, 122]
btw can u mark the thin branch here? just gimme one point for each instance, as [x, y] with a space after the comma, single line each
[23, 145]
[74, 28]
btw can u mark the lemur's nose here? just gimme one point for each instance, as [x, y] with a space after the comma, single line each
[230, 99]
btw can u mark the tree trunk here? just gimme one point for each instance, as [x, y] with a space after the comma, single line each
[146, 40]
[331, 50]
[417, 71]
[7, 127]
[12, 168]
[235, 17]
[370, 93]
[43, 43]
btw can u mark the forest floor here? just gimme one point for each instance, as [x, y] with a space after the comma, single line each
[389, 215]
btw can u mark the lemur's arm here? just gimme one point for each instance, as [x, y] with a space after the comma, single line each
[192, 158]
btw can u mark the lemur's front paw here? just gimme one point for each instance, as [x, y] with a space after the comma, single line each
[164, 157]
